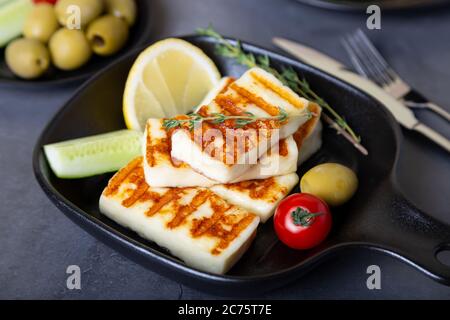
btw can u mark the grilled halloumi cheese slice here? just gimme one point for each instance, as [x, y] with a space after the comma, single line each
[310, 144]
[161, 170]
[308, 136]
[194, 224]
[220, 87]
[219, 158]
[258, 196]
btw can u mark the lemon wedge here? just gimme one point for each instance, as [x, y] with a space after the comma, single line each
[168, 78]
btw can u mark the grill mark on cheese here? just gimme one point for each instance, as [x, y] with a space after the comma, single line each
[230, 80]
[166, 198]
[264, 189]
[149, 147]
[305, 130]
[177, 163]
[283, 149]
[184, 211]
[221, 226]
[163, 146]
[228, 236]
[203, 111]
[258, 101]
[157, 148]
[141, 188]
[150, 195]
[119, 177]
[260, 189]
[135, 175]
[203, 225]
[280, 91]
[229, 104]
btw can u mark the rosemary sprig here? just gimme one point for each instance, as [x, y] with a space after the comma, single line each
[288, 77]
[218, 118]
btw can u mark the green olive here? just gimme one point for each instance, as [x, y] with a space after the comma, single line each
[125, 9]
[107, 35]
[68, 13]
[69, 49]
[41, 23]
[331, 182]
[27, 58]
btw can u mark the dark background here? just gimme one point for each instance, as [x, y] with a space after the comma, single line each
[37, 242]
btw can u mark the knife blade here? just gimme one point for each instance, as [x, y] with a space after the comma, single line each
[319, 60]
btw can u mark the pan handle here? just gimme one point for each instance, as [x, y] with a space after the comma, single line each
[414, 236]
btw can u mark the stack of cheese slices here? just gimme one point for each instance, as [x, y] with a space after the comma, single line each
[203, 199]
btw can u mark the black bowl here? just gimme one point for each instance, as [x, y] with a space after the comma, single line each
[139, 34]
[377, 217]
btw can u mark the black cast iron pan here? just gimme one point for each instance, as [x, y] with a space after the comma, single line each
[378, 217]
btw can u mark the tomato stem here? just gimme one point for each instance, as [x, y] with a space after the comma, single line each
[304, 218]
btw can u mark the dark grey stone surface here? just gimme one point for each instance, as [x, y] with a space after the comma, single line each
[37, 242]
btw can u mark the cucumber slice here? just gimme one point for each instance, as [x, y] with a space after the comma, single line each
[85, 157]
[12, 18]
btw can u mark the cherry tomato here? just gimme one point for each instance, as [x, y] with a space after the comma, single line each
[45, 1]
[302, 221]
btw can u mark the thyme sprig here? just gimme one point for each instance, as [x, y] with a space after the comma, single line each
[288, 77]
[218, 118]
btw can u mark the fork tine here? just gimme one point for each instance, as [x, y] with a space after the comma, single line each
[382, 64]
[369, 45]
[374, 67]
[364, 62]
[354, 58]
[371, 62]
